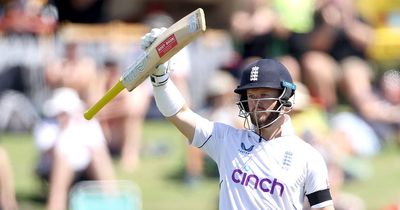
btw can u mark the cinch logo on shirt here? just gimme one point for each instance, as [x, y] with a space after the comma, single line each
[264, 184]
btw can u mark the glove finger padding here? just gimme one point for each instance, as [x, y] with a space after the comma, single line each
[150, 37]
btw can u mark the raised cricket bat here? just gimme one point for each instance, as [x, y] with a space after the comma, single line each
[161, 50]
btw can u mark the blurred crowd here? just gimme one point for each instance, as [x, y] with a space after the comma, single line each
[57, 58]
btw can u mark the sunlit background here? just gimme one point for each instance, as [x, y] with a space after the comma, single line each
[59, 57]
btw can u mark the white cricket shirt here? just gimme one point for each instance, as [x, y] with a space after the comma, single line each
[273, 174]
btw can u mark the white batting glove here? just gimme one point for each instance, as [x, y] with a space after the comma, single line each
[150, 37]
[160, 76]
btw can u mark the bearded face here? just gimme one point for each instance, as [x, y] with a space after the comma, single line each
[261, 117]
[263, 103]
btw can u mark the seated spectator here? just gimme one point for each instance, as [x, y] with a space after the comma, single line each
[18, 113]
[70, 147]
[123, 125]
[339, 36]
[28, 18]
[73, 70]
[376, 116]
[8, 200]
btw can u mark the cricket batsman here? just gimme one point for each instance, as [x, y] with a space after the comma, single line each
[265, 166]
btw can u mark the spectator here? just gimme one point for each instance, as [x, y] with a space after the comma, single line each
[18, 112]
[376, 118]
[70, 147]
[25, 27]
[28, 18]
[122, 124]
[280, 29]
[339, 37]
[75, 71]
[253, 27]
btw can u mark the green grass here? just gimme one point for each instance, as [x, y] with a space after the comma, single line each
[160, 171]
[383, 185]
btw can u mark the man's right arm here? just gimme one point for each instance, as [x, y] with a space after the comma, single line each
[185, 121]
[172, 105]
[169, 100]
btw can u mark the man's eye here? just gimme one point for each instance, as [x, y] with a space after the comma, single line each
[252, 97]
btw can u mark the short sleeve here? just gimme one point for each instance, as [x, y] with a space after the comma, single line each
[317, 181]
[208, 138]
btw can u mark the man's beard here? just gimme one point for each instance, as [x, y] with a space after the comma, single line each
[262, 119]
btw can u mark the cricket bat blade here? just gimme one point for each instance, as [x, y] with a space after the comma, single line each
[161, 50]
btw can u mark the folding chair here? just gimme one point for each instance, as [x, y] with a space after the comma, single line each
[105, 195]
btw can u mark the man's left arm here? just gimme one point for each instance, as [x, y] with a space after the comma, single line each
[317, 182]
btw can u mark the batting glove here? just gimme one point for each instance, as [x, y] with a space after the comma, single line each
[150, 37]
[160, 76]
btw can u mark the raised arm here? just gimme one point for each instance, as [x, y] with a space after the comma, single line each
[169, 100]
[171, 104]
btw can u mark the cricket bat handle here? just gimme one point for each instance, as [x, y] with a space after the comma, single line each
[111, 93]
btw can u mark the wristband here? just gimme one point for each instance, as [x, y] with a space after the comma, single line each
[159, 80]
[168, 98]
